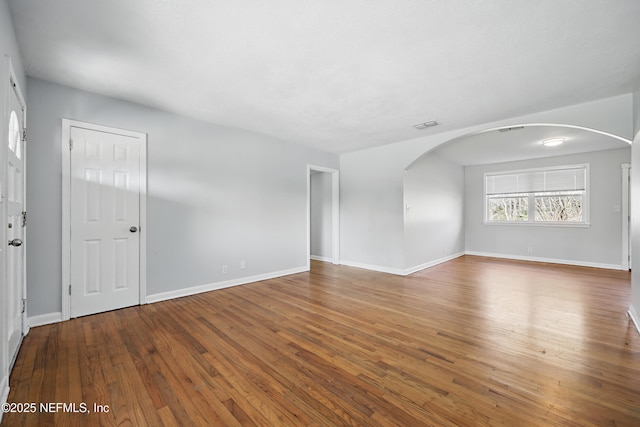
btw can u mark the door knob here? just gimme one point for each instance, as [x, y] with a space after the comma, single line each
[15, 242]
[133, 229]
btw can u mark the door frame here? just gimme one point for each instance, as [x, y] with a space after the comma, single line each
[626, 216]
[335, 212]
[67, 124]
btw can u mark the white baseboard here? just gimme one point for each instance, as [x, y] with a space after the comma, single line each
[548, 260]
[633, 314]
[163, 296]
[379, 268]
[432, 263]
[399, 271]
[321, 258]
[4, 391]
[44, 319]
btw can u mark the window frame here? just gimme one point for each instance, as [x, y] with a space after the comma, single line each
[532, 198]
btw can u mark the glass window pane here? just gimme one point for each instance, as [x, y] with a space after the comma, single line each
[559, 208]
[14, 131]
[508, 208]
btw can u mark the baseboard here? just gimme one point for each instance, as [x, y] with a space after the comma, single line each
[432, 263]
[4, 392]
[635, 319]
[179, 293]
[399, 271]
[548, 260]
[44, 319]
[379, 268]
[321, 258]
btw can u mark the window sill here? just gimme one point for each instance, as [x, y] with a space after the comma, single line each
[538, 224]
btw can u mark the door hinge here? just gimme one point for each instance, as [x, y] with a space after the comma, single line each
[24, 218]
[70, 144]
[69, 289]
[24, 305]
[24, 134]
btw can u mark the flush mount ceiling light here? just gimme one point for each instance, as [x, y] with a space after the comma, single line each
[552, 142]
[425, 125]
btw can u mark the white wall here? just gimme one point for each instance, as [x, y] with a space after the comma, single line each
[598, 245]
[371, 183]
[216, 195]
[321, 216]
[8, 48]
[434, 211]
[634, 310]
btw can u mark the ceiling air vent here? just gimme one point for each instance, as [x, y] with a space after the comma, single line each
[510, 129]
[425, 125]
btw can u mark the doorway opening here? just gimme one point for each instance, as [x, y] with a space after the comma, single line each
[323, 214]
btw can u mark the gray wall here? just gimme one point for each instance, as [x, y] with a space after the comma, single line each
[321, 216]
[216, 195]
[9, 47]
[434, 210]
[601, 243]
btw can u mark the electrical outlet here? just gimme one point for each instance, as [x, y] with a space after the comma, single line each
[243, 264]
[225, 269]
[529, 250]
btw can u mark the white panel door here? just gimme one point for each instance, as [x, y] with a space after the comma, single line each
[105, 221]
[15, 221]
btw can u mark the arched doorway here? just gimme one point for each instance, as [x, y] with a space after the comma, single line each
[444, 204]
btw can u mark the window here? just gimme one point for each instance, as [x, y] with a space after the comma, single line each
[14, 135]
[550, 196]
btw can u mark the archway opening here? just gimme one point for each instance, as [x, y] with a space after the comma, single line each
[444, 197]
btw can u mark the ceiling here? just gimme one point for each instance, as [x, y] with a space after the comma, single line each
[523, 143]
[336, 75]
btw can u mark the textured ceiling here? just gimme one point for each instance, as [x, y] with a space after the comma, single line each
[337, 75]
[522, 143]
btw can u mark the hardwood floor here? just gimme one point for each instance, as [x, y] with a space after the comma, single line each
[474, 341]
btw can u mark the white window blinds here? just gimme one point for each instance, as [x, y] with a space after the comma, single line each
[570, 178]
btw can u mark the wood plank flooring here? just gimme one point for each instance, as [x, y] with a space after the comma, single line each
[472, 342]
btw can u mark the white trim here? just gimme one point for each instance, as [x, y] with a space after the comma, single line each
[635, 319]
[67, 124]
[335, 212]
[44, 319]
[321, 258]
[378, 268]
[194, 290]
[625, 212]
[547, 260]
[432, 263]
[538, 224]
[398, 271]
